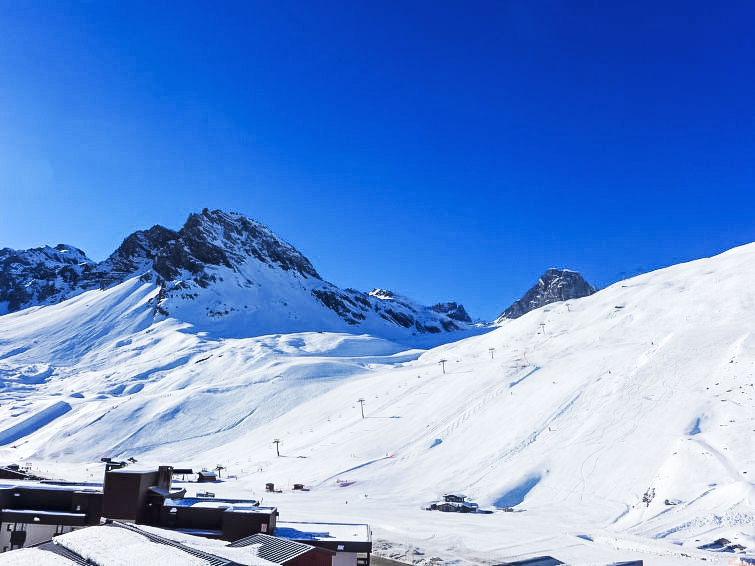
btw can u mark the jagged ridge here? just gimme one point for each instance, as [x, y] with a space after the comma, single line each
[220, 266]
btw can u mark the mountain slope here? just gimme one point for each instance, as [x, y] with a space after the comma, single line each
[226, 274]
[555, 285]
[584, 418]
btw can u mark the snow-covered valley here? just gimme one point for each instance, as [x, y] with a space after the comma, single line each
[615, 426]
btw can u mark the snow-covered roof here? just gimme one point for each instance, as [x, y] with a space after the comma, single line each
[236, 505]
[354, 532]
[33, 557]
[113, 546]
[247, 556]
[274, 549]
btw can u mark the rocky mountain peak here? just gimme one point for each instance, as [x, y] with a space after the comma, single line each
[553, 286]
[225, 272]
[453, 310]
[379, 293]
[40, 276]
[229, 238]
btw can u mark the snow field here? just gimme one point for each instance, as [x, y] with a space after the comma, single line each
[588, 417]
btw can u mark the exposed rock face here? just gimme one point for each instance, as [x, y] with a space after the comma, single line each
[453, 310]
[219, 267]
[208, 239]
[555, 285]
[42, 276]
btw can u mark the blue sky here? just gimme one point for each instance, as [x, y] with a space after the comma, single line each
[442, 150]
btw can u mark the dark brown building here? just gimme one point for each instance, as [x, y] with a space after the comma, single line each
[146, 497]
[137, 495]
[227, 519]
[30, 514]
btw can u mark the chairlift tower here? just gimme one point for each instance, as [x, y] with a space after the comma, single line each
[277, 443]
[443, 365]
[361, 405]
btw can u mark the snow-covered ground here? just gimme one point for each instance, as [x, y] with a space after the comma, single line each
[585, 417]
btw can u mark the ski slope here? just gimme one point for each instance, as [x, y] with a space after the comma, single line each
[584, 417]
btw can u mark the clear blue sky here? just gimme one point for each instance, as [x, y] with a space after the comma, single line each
[442, 150]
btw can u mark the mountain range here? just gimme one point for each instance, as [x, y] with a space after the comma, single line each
[611, 427]
[225, 273]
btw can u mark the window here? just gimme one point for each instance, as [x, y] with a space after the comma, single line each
[59, 529]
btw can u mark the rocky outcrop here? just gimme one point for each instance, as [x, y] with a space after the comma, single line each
[454, 311]
[555, 285]
[42, 276]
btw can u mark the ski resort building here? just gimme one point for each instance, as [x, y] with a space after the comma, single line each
[146, 497]
[287, 552]
[454, 498]
[206, 476]
[142, 508]
[15, 472]
[352, 543]
[34, 513]
[117, 543]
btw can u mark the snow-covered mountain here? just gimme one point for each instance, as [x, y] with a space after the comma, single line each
[227, 274]
[42, 276]
[616, 426]
[555, 285]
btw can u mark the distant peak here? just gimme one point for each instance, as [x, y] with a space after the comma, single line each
[453, 310]
[382, 293]
[553, 286]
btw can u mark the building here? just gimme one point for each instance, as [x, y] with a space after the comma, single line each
[147, 497]
[15, 472]
[287, 552]
[137, 495]
[206, 476]
[454, 498]
[34, 513]
[536, 561]
[122, 543]
[119, 543]
[454, 507]
[227, 519]
[352, 543]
